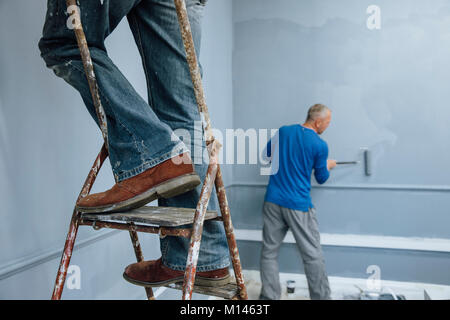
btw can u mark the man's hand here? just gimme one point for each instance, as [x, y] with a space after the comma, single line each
[331, 164]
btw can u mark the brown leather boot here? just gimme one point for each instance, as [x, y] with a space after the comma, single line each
[165, 180]
[154, 274]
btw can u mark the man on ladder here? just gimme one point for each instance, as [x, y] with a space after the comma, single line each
[141, 140]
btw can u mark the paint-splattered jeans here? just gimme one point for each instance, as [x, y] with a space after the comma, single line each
[141, 134]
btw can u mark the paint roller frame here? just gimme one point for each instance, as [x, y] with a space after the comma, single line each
[367, 162]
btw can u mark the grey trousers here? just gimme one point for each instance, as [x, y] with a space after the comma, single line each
[277, 221]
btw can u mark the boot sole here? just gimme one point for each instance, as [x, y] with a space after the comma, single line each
[166, 189]
[199, 281]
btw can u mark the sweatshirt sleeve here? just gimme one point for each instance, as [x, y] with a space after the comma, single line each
[321, 172]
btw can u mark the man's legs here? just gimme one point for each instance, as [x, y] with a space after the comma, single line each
[138, 140]
[156, 30]
[306, 233]
[274, 231]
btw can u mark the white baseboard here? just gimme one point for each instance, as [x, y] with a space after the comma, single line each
[27, 262]
[363, 241]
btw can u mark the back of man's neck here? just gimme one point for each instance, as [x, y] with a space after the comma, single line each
[309, 126]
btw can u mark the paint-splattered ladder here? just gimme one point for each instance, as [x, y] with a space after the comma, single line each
[160, 220]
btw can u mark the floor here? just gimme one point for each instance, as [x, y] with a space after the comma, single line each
[341, 289]
[347, 288]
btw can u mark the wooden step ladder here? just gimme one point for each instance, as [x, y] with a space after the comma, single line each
[159, 220]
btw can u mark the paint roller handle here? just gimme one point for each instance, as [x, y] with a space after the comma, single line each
[347, 162]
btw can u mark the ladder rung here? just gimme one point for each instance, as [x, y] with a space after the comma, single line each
[227, 291]
[158, 216]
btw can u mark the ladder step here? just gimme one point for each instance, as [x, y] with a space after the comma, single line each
[227, 291]
[158, 216]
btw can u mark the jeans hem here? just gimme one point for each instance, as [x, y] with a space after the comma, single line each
[152, 163]
[223, 264]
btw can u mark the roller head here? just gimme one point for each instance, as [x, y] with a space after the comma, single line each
[367, 163]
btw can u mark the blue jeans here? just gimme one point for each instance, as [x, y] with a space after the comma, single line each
[141, 134]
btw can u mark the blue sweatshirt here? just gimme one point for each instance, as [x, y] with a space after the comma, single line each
[297, 151]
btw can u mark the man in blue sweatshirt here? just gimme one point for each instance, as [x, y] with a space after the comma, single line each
[297, 151]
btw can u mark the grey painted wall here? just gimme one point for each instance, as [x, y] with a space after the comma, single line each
[388, 90]
[48, 143]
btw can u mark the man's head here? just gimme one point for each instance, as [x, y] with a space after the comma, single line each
[319, 117]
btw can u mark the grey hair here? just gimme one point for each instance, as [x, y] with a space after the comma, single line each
[317, 111]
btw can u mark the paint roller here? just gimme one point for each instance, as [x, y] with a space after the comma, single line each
[367, 162]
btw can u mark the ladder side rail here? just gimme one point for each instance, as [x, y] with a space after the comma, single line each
[192, 61]
[194, 69]
[197, 228]
[73, 10]
[74, 224]
[229, 231]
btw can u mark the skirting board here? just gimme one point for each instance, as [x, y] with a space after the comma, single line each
[24, 263]
[379, 186]
[362, 241]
